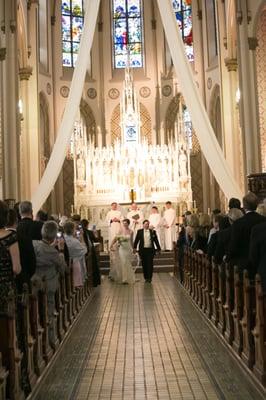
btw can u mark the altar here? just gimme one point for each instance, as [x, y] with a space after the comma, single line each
[130, 169]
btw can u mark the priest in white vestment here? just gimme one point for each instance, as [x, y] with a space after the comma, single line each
[114, 219]
[169, 226]
[156, 223]
[136, 218]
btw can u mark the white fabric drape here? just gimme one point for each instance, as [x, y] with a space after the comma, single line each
[55, 163]
[200, 120]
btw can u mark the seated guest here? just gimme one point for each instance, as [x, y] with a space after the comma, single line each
[25, 237]
[9, 258]
[77, 249]
[238, 250]
[191, 229]
[89, 239]
[50, 264]
[202, 234]
[224, 235]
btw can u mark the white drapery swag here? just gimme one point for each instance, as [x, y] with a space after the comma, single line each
[200, 120]
[56, 160]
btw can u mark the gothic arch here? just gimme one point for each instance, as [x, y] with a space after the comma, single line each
[145, 120]
[44, 134]
[89, 118]
[215, 114]
[171, 117]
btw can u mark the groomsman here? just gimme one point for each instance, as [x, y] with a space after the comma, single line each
[135, 217]
[169, 226]
[148, 242]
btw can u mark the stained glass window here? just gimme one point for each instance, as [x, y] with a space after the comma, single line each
[72, 25]
[183, 14]
[127, 33]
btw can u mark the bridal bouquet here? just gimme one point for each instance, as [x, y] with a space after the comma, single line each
[121, 239]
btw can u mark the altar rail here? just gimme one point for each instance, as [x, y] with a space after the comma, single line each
[28, 339]
[235, 305]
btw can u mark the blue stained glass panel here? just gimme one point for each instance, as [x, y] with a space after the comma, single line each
[183, 14]
[134, 8]
[119, 8]
[134, 30]
[72, 26]
[127, 33]
[66, 7]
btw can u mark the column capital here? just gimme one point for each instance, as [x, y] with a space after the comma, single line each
[30, 2]
[2, 53]
[252, 43]
[25, 73]
[231, 64]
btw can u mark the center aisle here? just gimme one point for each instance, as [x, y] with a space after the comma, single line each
[131, 342]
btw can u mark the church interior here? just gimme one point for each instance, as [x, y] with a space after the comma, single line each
[129, 105]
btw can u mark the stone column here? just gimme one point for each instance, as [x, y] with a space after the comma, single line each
[248, 100]
[24, 76]
[10, 123]
[233, 144]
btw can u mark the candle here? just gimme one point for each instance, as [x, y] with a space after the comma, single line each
[209, 211]
[72, 209]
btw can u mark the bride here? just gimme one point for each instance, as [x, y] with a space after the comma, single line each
[121, 255]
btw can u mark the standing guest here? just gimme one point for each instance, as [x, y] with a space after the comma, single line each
[136, 217]
[9, 258]
[76, 250]
[257, 252]
[224, 236]
[238, 251]
[148, 243]
[12, 220]
[155, 220]
[221, 222]
[90, 239]
[113, 219]
[234, 203]
[169, 226]
[25, 237]
[41, 217]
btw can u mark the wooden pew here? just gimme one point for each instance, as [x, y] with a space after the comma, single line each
[238, 312]
[11, 355]
[229, 305]
[214, 294]
[259, 333]
[28, 341]
[248, 321]
[44, 322]
[3, 380]
[37, 330]
[221, 298]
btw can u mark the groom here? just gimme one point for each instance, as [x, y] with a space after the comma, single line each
[147, 240]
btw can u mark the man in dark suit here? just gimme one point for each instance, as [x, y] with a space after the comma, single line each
[238, 250]
[148, 243]
[25, 236]
[257, 252]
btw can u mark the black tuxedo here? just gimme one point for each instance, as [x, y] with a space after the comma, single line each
[257, 251]
[238, 250]
[147, 253]
[96, 276]
[25, 233]
[223, 240]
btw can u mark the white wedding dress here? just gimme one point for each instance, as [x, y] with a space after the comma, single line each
[121, 260]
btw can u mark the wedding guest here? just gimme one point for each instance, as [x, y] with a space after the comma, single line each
[77, 250]
[90, 239]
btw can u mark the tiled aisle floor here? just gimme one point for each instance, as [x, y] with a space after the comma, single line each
[133, 342]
